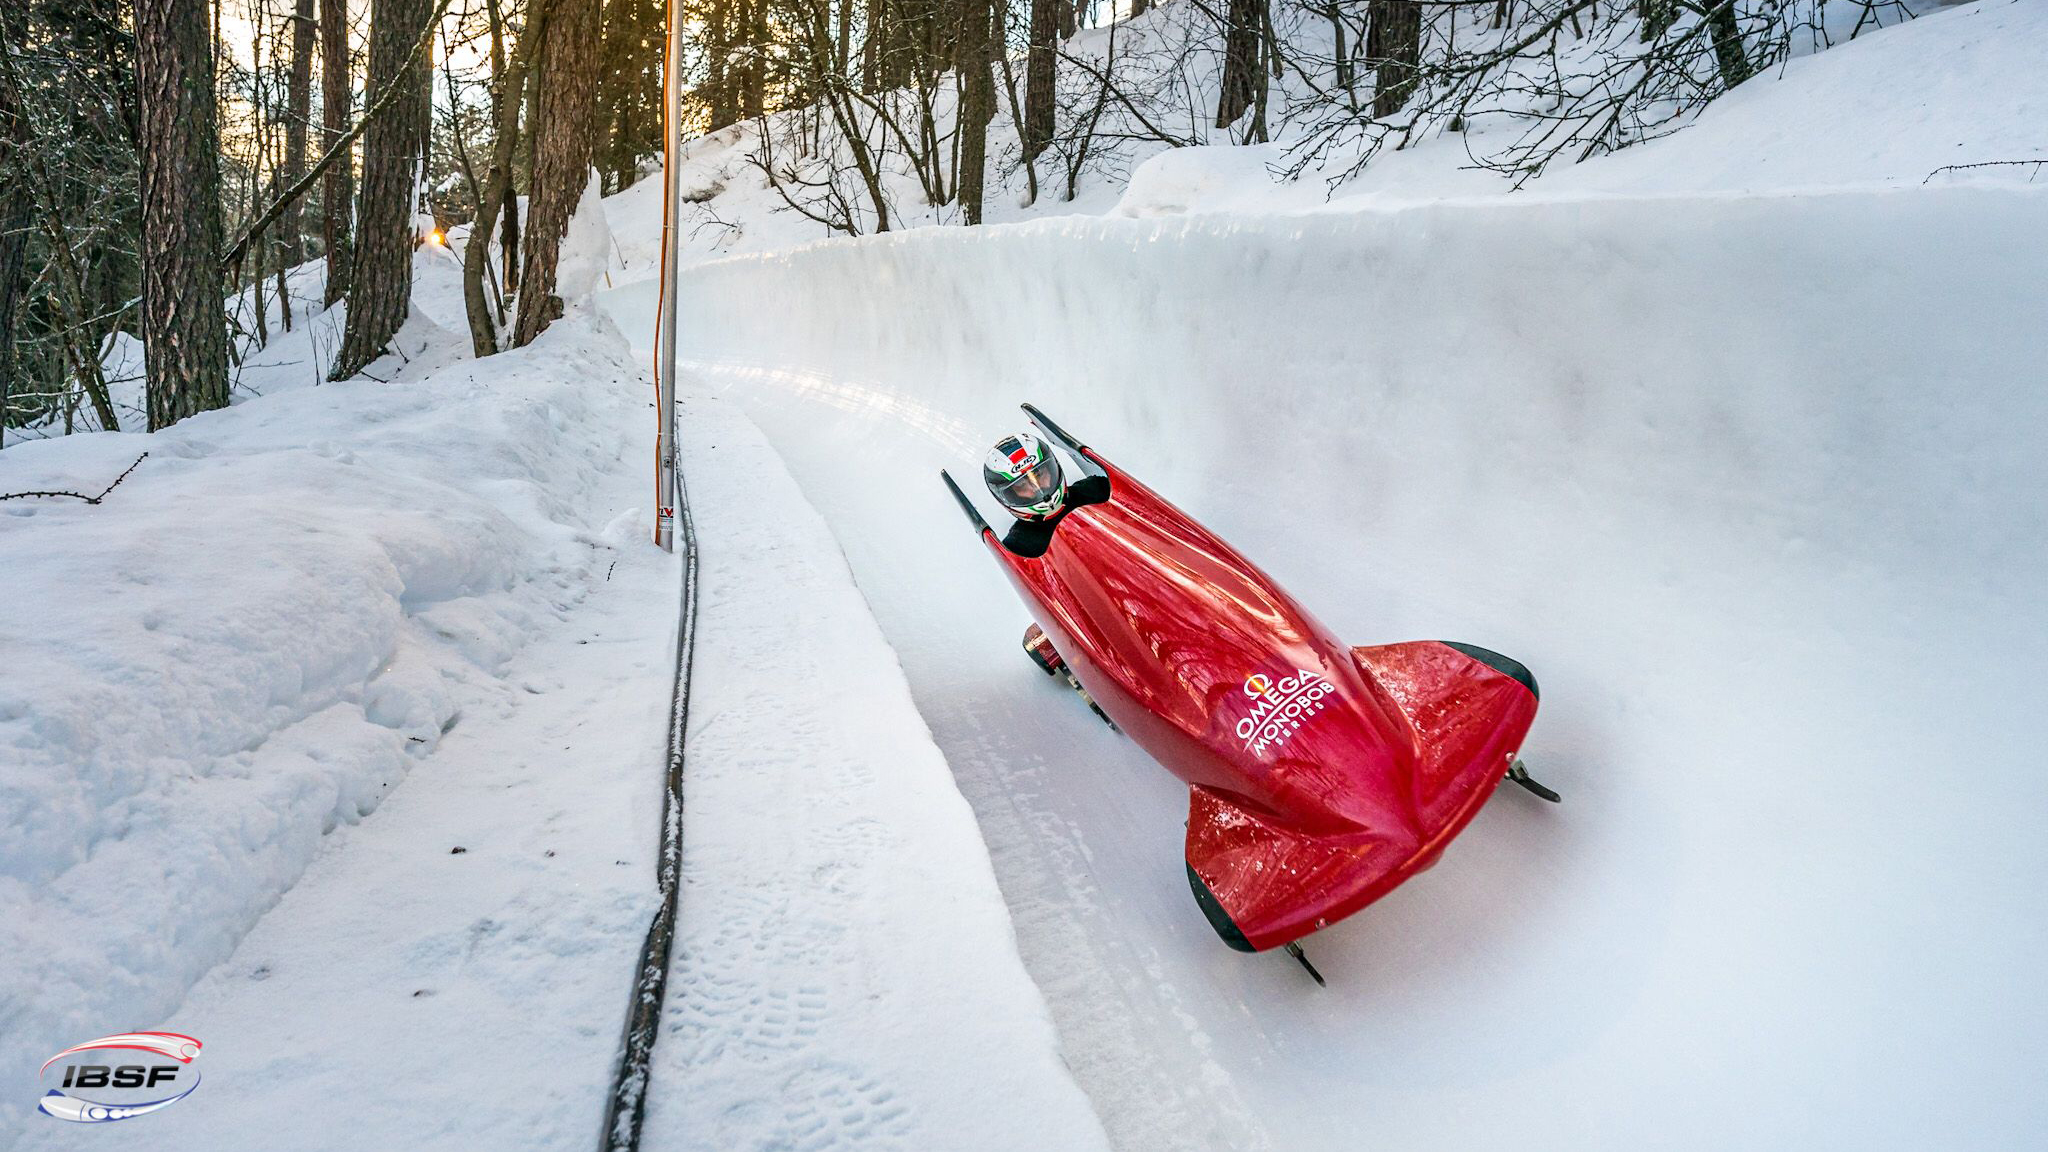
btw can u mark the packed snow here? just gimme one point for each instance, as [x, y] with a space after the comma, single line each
[287, 608]
[342, 745]
[845, 973]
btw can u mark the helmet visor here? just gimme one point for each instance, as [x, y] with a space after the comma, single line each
[1034, 488]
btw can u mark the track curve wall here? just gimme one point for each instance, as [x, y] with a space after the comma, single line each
[1752, 483]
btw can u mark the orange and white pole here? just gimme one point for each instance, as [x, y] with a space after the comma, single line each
[666, 490]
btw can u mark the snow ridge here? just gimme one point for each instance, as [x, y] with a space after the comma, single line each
[280, 614]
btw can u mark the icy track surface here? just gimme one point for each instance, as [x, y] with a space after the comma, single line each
[1753, 485]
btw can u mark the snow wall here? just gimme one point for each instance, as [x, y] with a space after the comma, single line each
[1753, 483]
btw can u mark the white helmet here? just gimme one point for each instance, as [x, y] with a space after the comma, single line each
[1024, 474]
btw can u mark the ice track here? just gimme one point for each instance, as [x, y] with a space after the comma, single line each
[1772, 551]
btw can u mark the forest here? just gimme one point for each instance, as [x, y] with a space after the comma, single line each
[166, 165]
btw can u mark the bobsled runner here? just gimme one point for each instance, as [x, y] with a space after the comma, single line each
[1320, 775]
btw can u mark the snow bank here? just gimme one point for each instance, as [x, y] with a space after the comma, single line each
[252, 640]
[1960, 86]
[845, 971]
[1752, 483]
[1890, 107]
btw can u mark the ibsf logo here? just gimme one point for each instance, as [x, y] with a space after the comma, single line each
[1280, 707]
[120, 1091]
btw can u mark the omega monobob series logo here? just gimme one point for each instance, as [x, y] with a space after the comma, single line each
[119, 1077]
[1280, 707]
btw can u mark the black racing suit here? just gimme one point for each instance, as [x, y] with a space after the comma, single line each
[1033, 537]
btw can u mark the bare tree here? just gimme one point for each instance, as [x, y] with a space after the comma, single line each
[563, 131]
[184, 329]
[1730, 56]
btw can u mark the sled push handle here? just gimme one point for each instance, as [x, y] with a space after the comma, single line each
[966, 505]
[1079, 451]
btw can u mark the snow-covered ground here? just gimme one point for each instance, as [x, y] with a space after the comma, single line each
[288, 610]
[1734, 437]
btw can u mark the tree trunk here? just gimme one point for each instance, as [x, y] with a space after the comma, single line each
[977, 103]
[567, 65]
[298, 110]
[336, 195]
[718, 81]
[1340, 53]
[753, 97]
[1040, 71]
[622, 54]
[497, 189]
[183, 321]
[842, 46]
[380, 288]
[1242, 76]
[870, 46]
[1656, 16]
[17, 214]
[1729, 54]
[1393, 43]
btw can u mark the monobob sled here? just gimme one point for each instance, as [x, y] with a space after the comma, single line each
[1320, 775]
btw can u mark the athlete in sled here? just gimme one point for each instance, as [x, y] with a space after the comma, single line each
[1320, 775]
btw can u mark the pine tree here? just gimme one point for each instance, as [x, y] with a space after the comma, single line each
[631, 95]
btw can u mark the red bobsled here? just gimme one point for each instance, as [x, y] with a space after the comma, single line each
[1320, 775]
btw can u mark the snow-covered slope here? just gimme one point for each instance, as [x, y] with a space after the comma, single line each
[1957, 85]
[287, 606]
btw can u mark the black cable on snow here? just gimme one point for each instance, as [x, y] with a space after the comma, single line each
[627, 1106]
